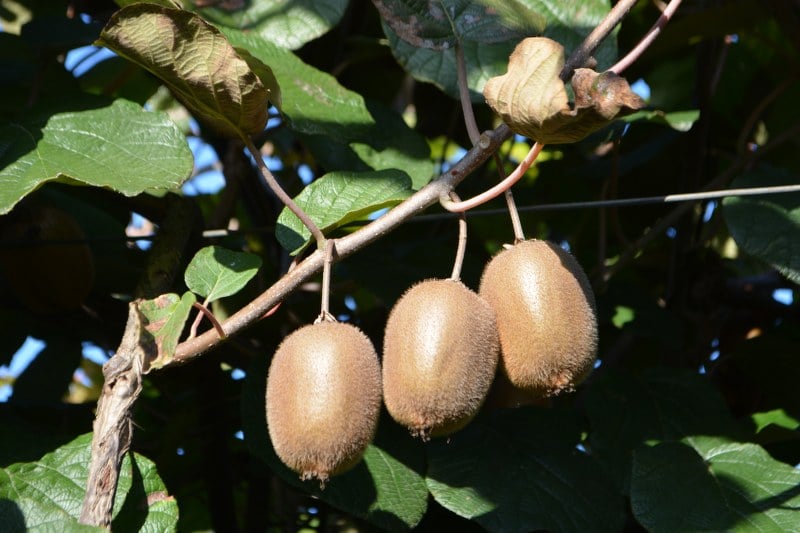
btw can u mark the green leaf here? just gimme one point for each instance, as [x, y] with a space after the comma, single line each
[386, 488]
[312, 101]
[775, 417]
[163, 318]
[197, 63]
[47, 495]
[285, 23]
[216, 272]
[133, 151]
[567, 22]
[339, 198]
[519, 470]
[677, 120]
[709, 484]
[660, 404]
[767, 227]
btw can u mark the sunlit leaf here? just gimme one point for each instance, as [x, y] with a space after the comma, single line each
[339, 198]
[709, 484]
[163, 318]
[532, 99]
[216, 272]
[135, 150]
[47, 495]
[195, 60]
[312, 100]
[286, 23]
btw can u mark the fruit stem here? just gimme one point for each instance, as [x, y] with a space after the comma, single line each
[276, 188]
[330, 252]
[462, 242]
[513, 212]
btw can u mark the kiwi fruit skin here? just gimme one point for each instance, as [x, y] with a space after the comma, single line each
[546, 316]
[323, 399]
[440, 355]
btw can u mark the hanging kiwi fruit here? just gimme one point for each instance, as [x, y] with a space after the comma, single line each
[439, 357]
[546, 316]
[43, 259]
[323, 399]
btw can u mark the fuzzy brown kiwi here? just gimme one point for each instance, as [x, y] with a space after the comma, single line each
[545, 315]
[323, 399]
[439, 357]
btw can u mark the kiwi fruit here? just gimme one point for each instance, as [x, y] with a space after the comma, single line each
[546, 316]
[323, 399]
[42, 259]
[440, 354]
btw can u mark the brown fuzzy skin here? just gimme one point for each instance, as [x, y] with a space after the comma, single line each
[545, 314]
[323, 399]
[440, 354]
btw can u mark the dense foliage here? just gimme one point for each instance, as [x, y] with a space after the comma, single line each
[690, 418]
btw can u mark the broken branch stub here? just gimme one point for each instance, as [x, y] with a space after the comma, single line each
[532, 99]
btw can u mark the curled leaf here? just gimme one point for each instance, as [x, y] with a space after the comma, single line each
[533, 101]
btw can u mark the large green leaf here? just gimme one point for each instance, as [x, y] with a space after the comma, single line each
[386, 488]
[195, 60]
[519, 470]
[486, 49]
[709, 484]
[216, 272]
[661, 404]
[767, 227]
[120, 146]
[339, 198]
[312, 100]
[47, 495]
[286, 23]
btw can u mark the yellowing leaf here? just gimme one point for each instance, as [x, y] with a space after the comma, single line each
[533, 101]
[197, 63]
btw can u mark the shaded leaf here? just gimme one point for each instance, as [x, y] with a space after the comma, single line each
[216, 272]
[767, 227]
[135, 150]
[285, 23]
[339, 198]
[197, 63]
[567, 22]
[47, 495]
[386, 488]
[519, 470]
[164, 318]
[531, 98]
[47, 378]
[710, 484]
[660, 404]
[442, 25]
[312, 100]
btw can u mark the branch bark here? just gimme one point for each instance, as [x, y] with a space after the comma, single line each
[123, 372]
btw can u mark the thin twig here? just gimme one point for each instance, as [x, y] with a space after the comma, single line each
[498, 189]
[648, 39]
[276, 188]
[198, 318]
[582, 53]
